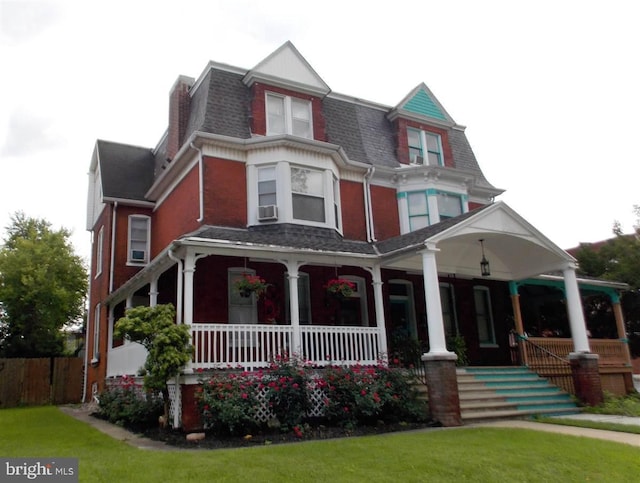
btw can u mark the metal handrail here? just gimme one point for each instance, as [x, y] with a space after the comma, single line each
[546, 351]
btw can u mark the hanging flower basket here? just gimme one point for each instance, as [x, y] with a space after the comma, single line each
[248, 284]
[340, 287]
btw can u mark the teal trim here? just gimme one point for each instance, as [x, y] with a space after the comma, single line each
[401, 195]
[422, 104]
[513, 287]
[613, 295]
[624, 340]
[465, 198]
[432, 191]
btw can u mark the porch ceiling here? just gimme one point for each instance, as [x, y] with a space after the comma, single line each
[514, 248]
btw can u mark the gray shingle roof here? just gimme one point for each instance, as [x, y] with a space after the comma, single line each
[126, 171]
[288, 235]
[364, 133]
[325, 239]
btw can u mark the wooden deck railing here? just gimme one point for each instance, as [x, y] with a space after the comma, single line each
[549, 357]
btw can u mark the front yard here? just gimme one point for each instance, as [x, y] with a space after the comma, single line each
[472, 454]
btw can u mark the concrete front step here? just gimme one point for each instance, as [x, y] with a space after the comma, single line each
[511, 392]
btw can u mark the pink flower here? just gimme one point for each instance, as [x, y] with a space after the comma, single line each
[245, 395]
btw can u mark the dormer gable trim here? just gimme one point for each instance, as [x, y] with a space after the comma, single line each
[421, 104]
[287, 68]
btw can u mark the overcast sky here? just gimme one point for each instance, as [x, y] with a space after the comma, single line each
[549, 90]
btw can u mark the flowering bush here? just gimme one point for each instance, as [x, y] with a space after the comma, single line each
[340, 287]
[287, 386]
[228, 403]
[250, 283]
[364, 395]
[126, 403]
[350, 396]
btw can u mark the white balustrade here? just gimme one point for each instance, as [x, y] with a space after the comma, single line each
[251, 346]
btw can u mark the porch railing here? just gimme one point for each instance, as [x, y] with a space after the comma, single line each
[252, 346]
[547, 358]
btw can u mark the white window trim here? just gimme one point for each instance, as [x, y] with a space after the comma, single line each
[288, 113]
[492, 328]
[99, 251]
[424, 147]
[95, 357]
[130, 259]
[284, 195]
[359, 293]
[410, 300]
[454, 312]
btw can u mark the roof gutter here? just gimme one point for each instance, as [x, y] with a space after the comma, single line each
[113, 245]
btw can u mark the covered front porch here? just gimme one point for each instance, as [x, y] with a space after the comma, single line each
[428, 283]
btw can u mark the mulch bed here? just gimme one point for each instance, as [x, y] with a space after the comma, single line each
[213, 441]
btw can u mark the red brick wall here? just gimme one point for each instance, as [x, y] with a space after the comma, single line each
[403, 146]
[177, 214]
[122, 272]
[179, 107]
[353, 210]
[385, 212]
[258, 119]
[225, 193]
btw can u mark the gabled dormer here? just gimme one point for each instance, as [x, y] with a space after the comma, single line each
[422, 127]
[286, 96]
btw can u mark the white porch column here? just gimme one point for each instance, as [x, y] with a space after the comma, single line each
[189, 269]
[153, 292]
[376, 277]
[128, 302]
[575, 312]
[435, 323]
[294, 306]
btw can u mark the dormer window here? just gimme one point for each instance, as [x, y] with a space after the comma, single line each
[288, 115]
[424, 147]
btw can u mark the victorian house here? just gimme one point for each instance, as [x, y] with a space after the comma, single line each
[266, 172]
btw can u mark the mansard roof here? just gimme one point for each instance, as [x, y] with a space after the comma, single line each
[220, 104]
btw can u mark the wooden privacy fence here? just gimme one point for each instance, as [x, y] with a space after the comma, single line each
[30, 382]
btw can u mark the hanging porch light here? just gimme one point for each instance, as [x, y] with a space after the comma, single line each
[485, 269]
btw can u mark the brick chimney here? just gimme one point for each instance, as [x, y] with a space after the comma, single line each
[179, 109]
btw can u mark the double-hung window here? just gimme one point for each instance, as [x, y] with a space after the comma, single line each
[449, 205]
[424, 147]
[484, 316]
[307, 194]
[138, 252]
[267, 186]
[418, 210]
[288, 115]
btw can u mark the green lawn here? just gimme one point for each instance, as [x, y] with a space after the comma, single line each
[470, 454]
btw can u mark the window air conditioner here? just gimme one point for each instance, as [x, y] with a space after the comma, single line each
[138, 255]
[419, 160]
[267, 212]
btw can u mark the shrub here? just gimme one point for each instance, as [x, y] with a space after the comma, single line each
[287, 388]
[364, 395]
[352, 396]
[228, 403]
[127, 404]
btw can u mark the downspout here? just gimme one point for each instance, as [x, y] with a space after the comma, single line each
[86, 349]
[368, 210]
[200, 182]
[179, 286]
[113, 246]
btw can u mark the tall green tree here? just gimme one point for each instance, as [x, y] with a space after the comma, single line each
[43, 286]
[618, 259]
[166, 342]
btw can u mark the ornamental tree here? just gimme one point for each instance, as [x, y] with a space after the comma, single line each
[42, 288]
[166, 342]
